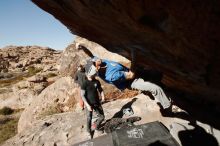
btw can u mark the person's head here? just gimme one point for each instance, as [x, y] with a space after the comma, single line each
[97, 62]
[129, 75]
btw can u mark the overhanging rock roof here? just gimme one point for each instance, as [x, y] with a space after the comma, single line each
[179, 38]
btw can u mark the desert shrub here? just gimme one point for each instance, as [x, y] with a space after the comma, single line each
[6, 111]
[51, 75]
[11, 81]
[50, 111]
[33, 70]
[8, 129]
[4, 70]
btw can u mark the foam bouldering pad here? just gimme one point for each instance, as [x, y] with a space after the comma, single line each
[149, 134]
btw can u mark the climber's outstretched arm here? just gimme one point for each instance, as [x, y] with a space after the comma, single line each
[86, 50]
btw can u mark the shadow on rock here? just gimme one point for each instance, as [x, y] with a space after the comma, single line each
[197, 137]
[194, 109]
[157, 143]
[128, 105]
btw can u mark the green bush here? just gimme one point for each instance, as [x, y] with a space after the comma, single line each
[32, 70]
[6, 111]
[51, 75]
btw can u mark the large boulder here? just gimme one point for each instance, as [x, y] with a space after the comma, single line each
[18, 98]
[56, 98]
[72, 57]
[20, 95]
[178, 38]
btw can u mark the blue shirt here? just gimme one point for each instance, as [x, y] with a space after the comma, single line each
[114, 73]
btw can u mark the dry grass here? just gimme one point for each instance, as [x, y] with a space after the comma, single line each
[8, 82]
[49, 75]
[33, 70]
[120, 95]
[50, 111]
[8, 128]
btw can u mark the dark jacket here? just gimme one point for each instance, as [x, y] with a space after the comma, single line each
[80, 78]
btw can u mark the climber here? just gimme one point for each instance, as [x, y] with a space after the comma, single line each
[90, 96]
[79, 78]
[120, 76]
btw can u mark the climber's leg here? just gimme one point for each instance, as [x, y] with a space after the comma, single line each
[154, 89]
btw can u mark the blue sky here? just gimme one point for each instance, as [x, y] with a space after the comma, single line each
[23, 23]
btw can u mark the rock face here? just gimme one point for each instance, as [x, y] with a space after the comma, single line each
[19, 58]
[20, 95]
[24, 71]
[65, 129]
[180, 39]
[56, 98]
[71, 57]
[18, 99]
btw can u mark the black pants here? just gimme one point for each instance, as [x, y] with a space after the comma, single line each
[99, 111]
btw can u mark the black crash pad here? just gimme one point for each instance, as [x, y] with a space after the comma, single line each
[149, 134]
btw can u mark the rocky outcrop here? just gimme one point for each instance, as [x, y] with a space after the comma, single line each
[19, 58]
[4, 64]
[24, 71]
[17, 99]
[180, 39]
[56, 98]
[37, 79]
[66, 129]
[72, 57]
[23, 92]
[69, 60]
[100, 51]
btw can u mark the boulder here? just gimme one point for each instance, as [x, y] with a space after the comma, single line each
[17, 99]
[179, 39]
[38, 88]
[37, 79]
[100, 51]
[72, 57]
[55, 98]
[21, 94]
